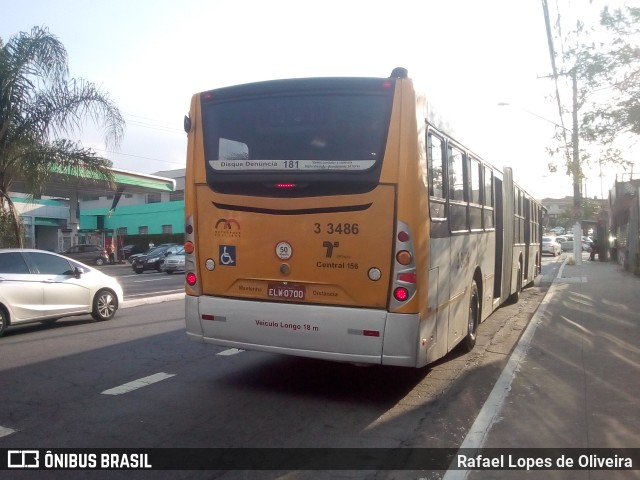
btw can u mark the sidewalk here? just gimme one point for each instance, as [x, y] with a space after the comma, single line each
[577, 384]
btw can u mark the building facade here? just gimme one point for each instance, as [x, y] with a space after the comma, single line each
[75, 209]
[624, 227]
[45, 222]
[115, 218]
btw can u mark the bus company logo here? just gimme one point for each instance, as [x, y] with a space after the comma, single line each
[329, 246]
[227, 228]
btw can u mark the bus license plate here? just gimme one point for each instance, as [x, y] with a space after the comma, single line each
[289, 292]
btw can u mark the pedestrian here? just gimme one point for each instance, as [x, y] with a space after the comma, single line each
[594, 250]
[111, 251]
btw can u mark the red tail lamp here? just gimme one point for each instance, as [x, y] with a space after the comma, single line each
[401, 294]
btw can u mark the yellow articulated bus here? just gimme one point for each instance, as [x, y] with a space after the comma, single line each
[326, 218]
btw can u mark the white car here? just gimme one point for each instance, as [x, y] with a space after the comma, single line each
[551, 245]
[40, 286]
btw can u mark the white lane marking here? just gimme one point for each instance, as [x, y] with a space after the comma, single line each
[138, 275]
[160, 279]
[155, 294]
[231, 351]
[4, 431]
[491, 409]
[142, 382]
[136, 302]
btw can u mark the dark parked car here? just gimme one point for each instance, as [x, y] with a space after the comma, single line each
[128, 250]
[153, 259]
[87, 253]
[133, 256]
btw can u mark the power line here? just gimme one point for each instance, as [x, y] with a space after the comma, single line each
[168, 127]
[150, 126]
[154, 127]
[146, 118]
[137, 156]
[552, 56]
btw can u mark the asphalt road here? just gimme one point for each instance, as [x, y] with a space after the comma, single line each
[147, 284]
[137, 382]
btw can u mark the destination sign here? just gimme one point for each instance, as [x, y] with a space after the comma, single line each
[291, 165]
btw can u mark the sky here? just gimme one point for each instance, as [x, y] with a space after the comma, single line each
[468, 56]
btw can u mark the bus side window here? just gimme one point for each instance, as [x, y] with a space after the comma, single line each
[457, 190]
[456, 175]
[475, 203]
[435, 172]
[487, 199]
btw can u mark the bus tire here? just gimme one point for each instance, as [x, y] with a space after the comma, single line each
[473, 320]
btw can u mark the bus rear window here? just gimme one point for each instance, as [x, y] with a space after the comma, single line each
[311, 140]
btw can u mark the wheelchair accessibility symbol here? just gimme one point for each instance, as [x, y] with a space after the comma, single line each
[227, 255]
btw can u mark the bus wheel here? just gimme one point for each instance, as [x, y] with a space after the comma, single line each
[474, 319]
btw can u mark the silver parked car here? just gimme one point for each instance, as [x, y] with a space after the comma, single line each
[567, 244]
[174, 262]
[40, 286]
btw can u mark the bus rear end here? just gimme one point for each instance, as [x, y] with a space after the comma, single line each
[292, 235]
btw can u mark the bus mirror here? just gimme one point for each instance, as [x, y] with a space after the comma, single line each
[187, 124]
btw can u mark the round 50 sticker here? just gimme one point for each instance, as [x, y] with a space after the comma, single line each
[284, 250]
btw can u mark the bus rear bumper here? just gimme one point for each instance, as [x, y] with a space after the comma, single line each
[355, 335]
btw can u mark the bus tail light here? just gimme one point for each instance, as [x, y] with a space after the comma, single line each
[404, 257]
[191, 268]
[409, 277]
[404, 270]
[401, 294]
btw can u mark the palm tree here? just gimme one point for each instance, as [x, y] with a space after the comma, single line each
[39, 106]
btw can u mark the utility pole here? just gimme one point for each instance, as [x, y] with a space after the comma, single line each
[574, 162]
[576, 173]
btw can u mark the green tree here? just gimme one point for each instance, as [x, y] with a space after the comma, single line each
[590, 210]
[39, 107]
[603, 63]
[615, 65]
